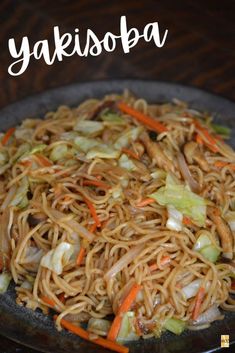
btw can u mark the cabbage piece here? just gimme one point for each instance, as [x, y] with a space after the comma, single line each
[21, 152]
[69, 136]
[192, 288]
[159, 174]
[24, 133]
[38, 148]
[59, 152]
[102, 151]
[202, 241]
[85, 144]
[88, 127]
[210, 252]
[127, 330]
[57, 258]
[126, 163]
[5, 279]
[184, 200]
[3, 157]
[112, 119]
[20, 198]
[221, 130]
[174, 325]
[175, 219]
[125, 139]
[33, 255]
[101, 326]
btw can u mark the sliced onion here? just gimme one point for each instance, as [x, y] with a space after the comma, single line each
[124, 261]
[198, 327]
[184, 169]
[208, 316]
[192, 288]
[74, 225]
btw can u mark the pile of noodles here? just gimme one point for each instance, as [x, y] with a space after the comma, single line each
[130, 238]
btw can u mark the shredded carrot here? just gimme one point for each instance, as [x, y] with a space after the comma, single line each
[80, 256]
[43, 161]
[205, 132]
[124, 307]
[150, 122]
[113, 346]
[187, 221]
[198, 303]
[96, 183]
[164, 261]
[7, 135]
[199, 140]
[92, 228]
[145, 202]
[48, 301]
[26, 163]
[93, 212]
[61, 298]
[130, 153]
[115, 328]
[221, 164]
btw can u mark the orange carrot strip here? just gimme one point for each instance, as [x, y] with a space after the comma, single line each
[164, 261]
[48, 301]
[145, 202]
[80, 256]
[115, 328]
[7, 135]
[127, 302]
[124, 307]
[221, 164]
[145, 119]
[26, 163]
[85, 335]
[130, 153]
[92, 228]
[198, 303]
[96, 183]
[205, 132]
[43, 161]
[199, 139]
[92, 211]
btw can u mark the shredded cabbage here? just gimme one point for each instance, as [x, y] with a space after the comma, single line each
[125, 139]
[101, 326]
[175, 325]
[57, 258]
[112, 119]
[175, 219]
[126, 163]
[210, 252]
[102, 151]
[59, 152]
[5, 279]
[20, 198]
[85, 143]
[192, 288]
[127, 330]
[202, 240]
[3, 157]
[88, 127]
[184, 200]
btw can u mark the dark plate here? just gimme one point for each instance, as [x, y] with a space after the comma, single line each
[36, 330]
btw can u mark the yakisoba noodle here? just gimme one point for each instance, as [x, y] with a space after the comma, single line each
[121, 209]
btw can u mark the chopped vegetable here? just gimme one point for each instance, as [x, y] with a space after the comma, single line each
[198, 303]
[209, 138]
[103, 151]
[209, 315]
[43, 161]
[59, 152]
[88, 127]
[126, 163]
[221, 164]
[101, 326]
[85, 335]
[48, 301]
[192, 288]
[127, 330]
[7, 136]
[150, 122]
[5, 279]
[112, 119]
[184, 200]
[127, 137]
[92, 211]
[85, 144]
[38, 148]
[124, 307]
[3, 157]
[202, 241]
[98, 183]
[210, 252]
[130, 153]
[21, 194]
[221, 130]
[175, 218]
[57, 258]
[174, 325]
[80, 256]
[145, 202]
[159, 174]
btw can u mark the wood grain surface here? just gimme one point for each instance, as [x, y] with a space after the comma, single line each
[199, 50]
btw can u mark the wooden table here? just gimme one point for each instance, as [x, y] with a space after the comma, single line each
[199, 50]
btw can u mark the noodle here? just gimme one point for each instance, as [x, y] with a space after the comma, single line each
[76, 185]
